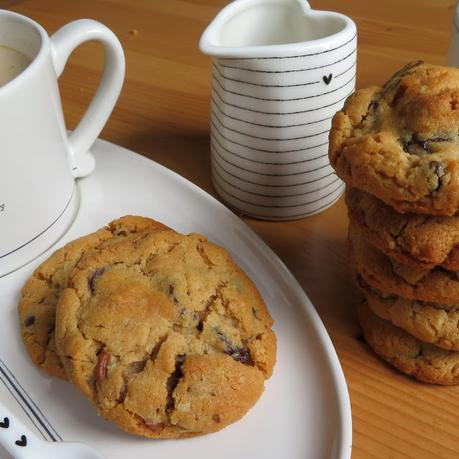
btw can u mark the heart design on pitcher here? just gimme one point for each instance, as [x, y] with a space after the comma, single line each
[327, 79]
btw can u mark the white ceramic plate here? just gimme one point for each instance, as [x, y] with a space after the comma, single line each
[304, 411]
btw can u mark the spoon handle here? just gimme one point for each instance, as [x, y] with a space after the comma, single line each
[17, 439]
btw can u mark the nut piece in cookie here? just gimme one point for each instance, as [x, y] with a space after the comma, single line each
[165, 335]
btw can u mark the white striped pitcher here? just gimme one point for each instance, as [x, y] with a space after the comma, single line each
[280, 71]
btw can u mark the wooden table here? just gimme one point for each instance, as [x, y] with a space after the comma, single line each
[163, 113]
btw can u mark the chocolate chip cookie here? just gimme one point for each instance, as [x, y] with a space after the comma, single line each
[419, 241]
[37, 306]
[437, 285]
[422, 361]
[399, 142]
[165, 335]
[428, 322]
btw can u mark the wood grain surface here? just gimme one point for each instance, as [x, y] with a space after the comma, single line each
[163, 113]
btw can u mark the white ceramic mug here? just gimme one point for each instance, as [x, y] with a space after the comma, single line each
[280, 71]
[39, 161]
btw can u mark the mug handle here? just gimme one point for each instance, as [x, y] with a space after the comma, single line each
[63, 42]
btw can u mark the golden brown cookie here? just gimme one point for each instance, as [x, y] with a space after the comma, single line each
[419, 241]
[399, 142]
[428, 322]
[422, 361]
[37, 306]
[165, 335]
[381, 273]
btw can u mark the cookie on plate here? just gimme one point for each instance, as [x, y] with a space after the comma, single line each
[399, 142]
[380, 272]
[419, 241]
[37, 306]
[165, 335]
[422, 361]
[428, 322]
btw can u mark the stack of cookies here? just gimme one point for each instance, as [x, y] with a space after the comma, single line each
[162, 332]
[397, 149]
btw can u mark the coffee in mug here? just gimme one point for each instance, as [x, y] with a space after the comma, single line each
[12, 63]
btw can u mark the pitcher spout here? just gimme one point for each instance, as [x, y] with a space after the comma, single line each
[257, 28]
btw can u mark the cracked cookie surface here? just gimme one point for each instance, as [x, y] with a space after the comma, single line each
[165, 335]
[37, 306]
[399, 142]
[428, 322]
[419, 241]
[437, 285]
[419, 360]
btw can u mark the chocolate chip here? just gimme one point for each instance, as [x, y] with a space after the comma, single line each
[177, 328]
[254, 313]
[155, 351]
[406, 69]
[438, 139]
[240, 354]
[122, 395]
[411, 145]
[427, 143]
[223, 338]
[171, 293]
[173, 381]
[216, 418]
[406, 146]
[399, 94]
[29, 321]
[136, 367]
[397, 76]
[361, 338]
[374, 105]
[132, 369]
[93, 278]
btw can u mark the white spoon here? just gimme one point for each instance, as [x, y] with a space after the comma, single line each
[21, 443]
